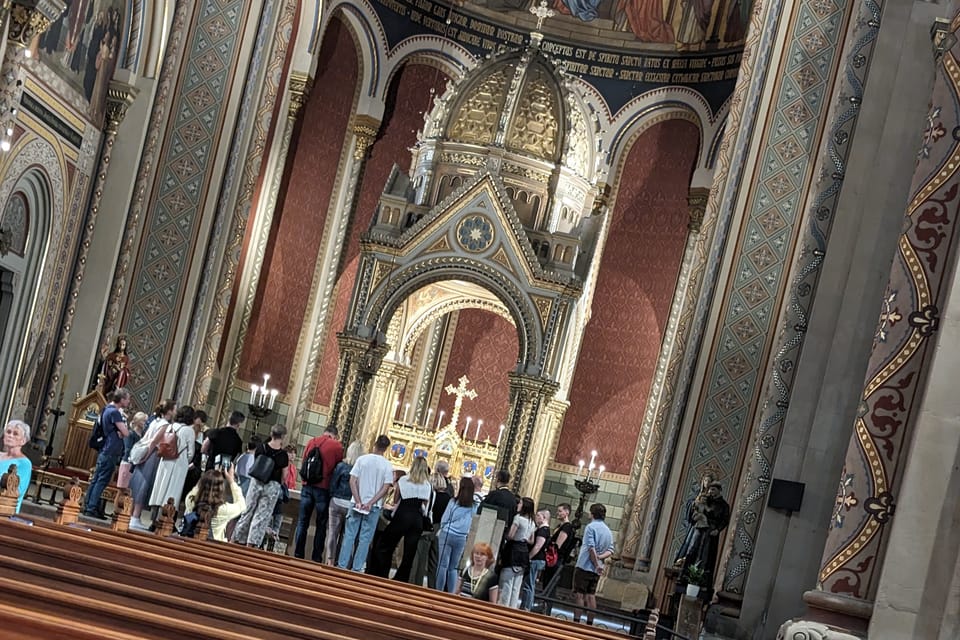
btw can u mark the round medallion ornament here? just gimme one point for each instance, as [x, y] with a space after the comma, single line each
[475, 233]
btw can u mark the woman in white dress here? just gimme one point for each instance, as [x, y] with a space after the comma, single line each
[172, 473]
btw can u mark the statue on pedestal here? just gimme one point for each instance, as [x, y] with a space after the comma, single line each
[115, 371]
[708, 514]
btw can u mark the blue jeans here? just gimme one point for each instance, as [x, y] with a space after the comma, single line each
[451, 550]
[529, 585]
[312, 498]
[106, 465]
[359, 530]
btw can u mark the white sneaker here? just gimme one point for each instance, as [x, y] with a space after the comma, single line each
[136, 523]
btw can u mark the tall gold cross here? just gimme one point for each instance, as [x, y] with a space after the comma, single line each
[461, 392]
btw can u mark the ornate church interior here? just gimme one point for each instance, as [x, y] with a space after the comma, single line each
[693, 260]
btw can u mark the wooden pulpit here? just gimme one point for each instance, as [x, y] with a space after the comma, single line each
[83, 414]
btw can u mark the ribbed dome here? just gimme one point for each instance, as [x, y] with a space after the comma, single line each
[514, 102]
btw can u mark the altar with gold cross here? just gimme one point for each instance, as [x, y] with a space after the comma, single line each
[444, 441]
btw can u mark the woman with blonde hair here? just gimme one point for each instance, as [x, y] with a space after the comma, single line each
[133, 437]
[416, 501]
[340, 496]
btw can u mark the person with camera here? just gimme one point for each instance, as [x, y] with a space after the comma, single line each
[210, 492]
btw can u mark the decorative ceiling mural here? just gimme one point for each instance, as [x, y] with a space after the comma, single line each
[622, 48]
[82, 46]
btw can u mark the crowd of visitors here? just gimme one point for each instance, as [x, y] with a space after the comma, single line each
[361, 507]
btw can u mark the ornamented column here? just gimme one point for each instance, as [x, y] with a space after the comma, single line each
[28, 19]
[385, 389]
[359, 361]
[658, 439]
[119, 98]
[320, 304]
[910, 317]
[529, 396]
[299, 88]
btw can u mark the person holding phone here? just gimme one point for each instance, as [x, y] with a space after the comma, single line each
[210, 491]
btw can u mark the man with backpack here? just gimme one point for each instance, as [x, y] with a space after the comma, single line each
[108, 434]
[321, 455]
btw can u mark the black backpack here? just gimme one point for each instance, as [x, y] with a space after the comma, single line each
[97, 436]
[311, 469]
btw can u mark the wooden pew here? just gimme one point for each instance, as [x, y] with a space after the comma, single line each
[301, 583]
[397, 593]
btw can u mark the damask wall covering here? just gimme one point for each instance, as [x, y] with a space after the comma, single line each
[409, 96]
[298, 228]
[637, 279]
[484, 349]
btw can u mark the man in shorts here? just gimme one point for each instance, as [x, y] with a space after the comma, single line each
[597, 546]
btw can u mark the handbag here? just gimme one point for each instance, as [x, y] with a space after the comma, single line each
[124, 474]
[552, 554]
[262, 468]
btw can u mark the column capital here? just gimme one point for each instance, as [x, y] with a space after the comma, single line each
[365, 129]
[31, 18]
[120, 96]
[299, 88]
[697, 202]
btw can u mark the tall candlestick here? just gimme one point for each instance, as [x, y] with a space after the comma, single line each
[499, 435]
[476, 435]
[406, 412]
[253, 394]
[273, 398]
[467, 428]
[439, 421]
[580, 470]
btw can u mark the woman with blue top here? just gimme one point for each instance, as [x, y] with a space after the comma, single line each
[15, 435]
[454, 527]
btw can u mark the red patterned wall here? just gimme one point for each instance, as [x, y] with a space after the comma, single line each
[634, 290]
[409, 97]
[484, 349]
[278, 312]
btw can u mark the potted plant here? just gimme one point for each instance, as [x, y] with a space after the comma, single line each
[696, 577]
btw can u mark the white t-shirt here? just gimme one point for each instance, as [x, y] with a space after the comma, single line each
[525, 528]
[372, 471]
[424, 491]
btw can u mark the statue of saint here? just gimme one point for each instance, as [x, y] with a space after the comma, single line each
[708, 514]
[116, 367]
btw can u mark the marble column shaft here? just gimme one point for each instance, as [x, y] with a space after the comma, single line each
[528, 398]
[359, 361]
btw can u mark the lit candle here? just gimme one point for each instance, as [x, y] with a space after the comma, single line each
[600, 472]
[593, 457]
[580, 470]
[253, 394]
[273, 398]
[406, 412]
[499, 435]
[396, 409]
[476, 436]
[439, 421]
[467, 428]
[426, 423]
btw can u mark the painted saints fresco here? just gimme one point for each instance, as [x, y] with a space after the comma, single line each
[83, 45]
[681, 24]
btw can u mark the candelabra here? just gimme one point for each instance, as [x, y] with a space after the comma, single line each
[587, 486]
[259, 405]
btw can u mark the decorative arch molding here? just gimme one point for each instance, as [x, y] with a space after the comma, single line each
[436, 310]
[390, 296]
[370, 40]
[657, 106]
[36, 176]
